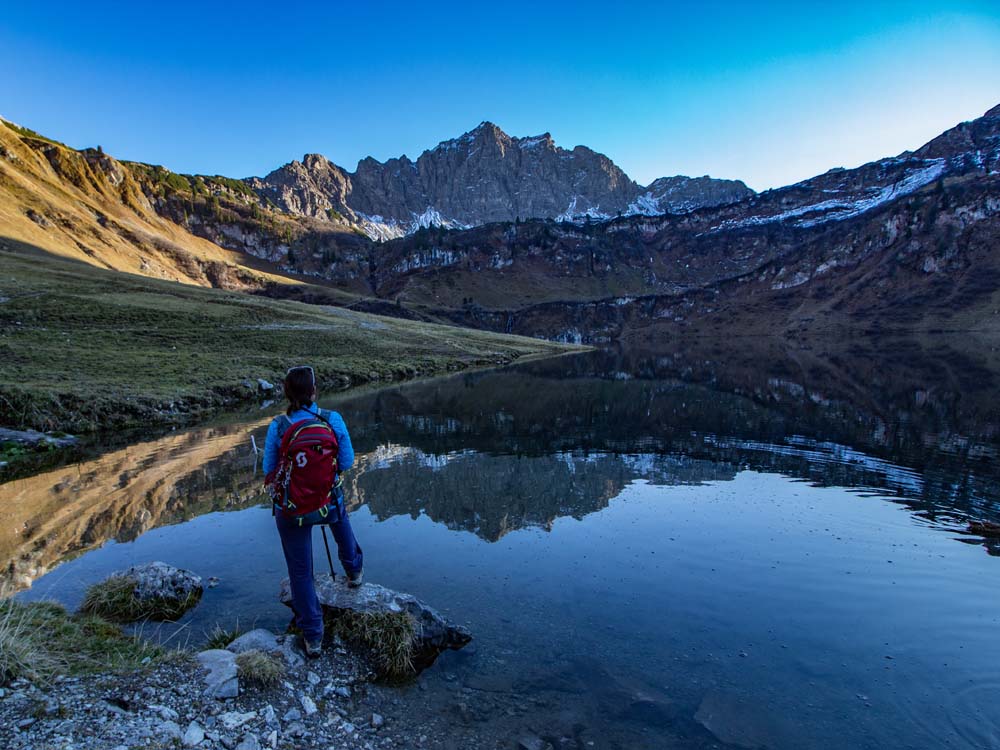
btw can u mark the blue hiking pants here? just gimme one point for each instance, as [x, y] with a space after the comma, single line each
[296, 542]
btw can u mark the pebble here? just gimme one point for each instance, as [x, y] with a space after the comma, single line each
[234, 719]
[250, 742]
[164, 712]
[170, 729]
[308, 704]
[377, 721]
[292, 714]
[313, 678]
[269, 715]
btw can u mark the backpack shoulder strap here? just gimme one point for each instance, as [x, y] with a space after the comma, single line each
[284, 422]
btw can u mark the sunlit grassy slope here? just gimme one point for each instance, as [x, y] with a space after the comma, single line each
[82, 348]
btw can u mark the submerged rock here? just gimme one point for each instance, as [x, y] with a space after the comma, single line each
[432, 633]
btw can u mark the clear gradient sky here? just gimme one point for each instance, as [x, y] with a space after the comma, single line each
[768, 92]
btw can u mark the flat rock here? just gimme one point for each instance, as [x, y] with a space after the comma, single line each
[434, 633]
[221, 681]
[194, 735]
[256, 640]
[235, 719]
[292, 651]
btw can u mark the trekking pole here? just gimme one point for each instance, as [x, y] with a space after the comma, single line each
[333, 576]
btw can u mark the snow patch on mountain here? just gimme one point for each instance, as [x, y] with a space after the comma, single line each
[577, 216]
[845, 208]
[380, 229]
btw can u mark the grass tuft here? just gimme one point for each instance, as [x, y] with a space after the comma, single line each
[39, 640]
[259, 668]
[219, 637]
[114, 599]
[387, 636]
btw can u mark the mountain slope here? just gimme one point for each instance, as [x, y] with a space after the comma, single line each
[883, 239]
[900, 242]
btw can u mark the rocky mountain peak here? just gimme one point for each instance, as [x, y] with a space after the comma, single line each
[482, 176]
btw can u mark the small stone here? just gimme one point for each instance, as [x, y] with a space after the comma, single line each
[348, 727]
[377, 721]
[170, 729]
[272, 739]
[234, 719]
[343, 691]
[308, 704]
[264, 385]
[194, 735]
[269, 715]
[295, 729]
[313, 678]
[293, 653]
[250, 742]
[25, 723]
[292, 714]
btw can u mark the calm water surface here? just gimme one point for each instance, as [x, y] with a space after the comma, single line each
[758, 547]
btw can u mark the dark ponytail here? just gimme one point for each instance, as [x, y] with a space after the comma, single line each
[300, 385]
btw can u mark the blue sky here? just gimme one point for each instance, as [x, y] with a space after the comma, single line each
[770, 93]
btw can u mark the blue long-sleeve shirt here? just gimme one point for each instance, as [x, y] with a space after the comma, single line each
[345, 452]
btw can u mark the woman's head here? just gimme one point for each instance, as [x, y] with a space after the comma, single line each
[300, 387]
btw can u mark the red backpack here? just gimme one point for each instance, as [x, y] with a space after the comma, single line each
[304, 478]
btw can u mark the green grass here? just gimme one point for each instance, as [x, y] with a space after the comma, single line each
[83, 349]
[39, 640]
[114, 599]
[258, 668]
[386, 636]
[219, 637]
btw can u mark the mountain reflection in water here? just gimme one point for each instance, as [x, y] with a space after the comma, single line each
[501, 450]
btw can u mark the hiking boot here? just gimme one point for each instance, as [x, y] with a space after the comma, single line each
[355, 579]
[313, 648]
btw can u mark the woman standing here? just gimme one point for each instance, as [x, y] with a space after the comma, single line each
[295, 528]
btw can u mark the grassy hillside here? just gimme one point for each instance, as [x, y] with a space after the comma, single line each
[82, 348]
[87, 206]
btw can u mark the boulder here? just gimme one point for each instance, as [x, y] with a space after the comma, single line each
[256, 640]
[432, 634]
[221, 680]
[157, 581]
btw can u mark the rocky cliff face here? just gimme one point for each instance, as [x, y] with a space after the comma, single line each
[314, 187]
[678, 195]
[480, 177]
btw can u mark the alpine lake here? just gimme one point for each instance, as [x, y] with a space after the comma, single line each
[715, 544]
